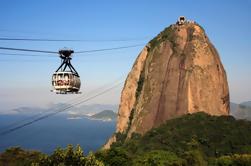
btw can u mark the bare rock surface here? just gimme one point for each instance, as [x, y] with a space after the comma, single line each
[177, 73]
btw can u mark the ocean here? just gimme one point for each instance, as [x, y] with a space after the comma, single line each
[56, 131]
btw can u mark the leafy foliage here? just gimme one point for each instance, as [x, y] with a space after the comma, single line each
[140, 84]
[216, 136]
[158, 157]
[234, 160]
[17, 156]
[69, 156]
[114, 156]
[199, 139]
[166, 34]
[63, 157]
[191, 140]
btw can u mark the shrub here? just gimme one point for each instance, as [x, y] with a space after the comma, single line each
[158, 158]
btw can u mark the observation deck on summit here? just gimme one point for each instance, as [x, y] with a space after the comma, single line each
[182, 20]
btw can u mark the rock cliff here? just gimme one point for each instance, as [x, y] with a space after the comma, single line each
[178, 72]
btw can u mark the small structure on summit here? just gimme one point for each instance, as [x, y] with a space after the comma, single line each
[181, 20]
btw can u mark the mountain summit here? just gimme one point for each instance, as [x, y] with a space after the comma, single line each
[178, 72]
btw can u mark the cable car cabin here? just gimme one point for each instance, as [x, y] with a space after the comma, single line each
[66, 79]
[66, 82]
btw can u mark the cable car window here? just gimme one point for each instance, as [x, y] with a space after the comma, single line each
[66, 76]
[60, 76]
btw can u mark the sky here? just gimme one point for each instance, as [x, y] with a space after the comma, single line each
[26, 81]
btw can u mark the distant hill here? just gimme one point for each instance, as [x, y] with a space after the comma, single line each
[105, 115]
[73, 111]
[27, 110]
[24, 110]
[242, 110]
[233, 108]
[246, 103]
[92, 109]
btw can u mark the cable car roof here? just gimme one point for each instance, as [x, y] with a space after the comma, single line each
[61, 72]
[65, 72]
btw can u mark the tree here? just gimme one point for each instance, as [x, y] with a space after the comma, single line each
[234, 160]
[114, 156]
[17, 156]
[68, 157]
[195, 158]
[92, 161]
[158, 158]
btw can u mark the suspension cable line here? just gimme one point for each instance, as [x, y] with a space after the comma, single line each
[70, 102]
[108, 49]
[53, 52]
[59, 111]
[28, 55]
[27, 50]
[70, 40]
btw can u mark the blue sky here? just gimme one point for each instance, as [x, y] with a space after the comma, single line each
[26, 81]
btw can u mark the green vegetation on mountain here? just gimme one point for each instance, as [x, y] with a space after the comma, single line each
[214, 135]
[195, 139]
[106, 114]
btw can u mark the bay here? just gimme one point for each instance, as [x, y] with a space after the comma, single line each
[56, 131]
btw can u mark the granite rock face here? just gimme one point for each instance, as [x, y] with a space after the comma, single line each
[177, 73]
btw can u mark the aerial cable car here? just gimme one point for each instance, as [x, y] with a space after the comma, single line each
[66, 79]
